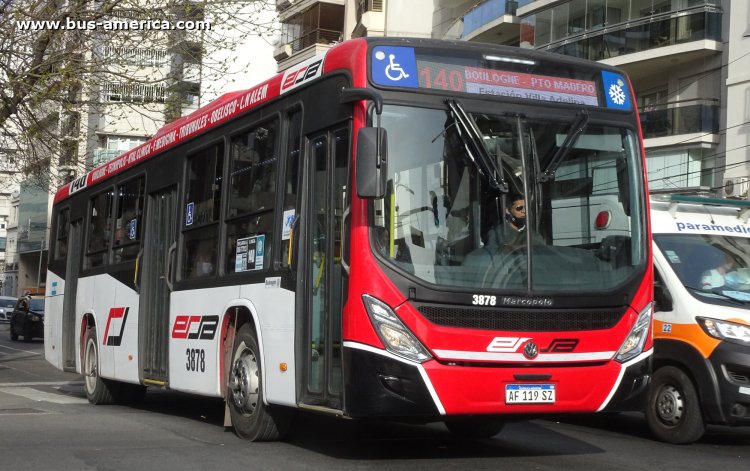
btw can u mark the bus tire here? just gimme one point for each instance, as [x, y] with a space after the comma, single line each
[475, 428]
[251, 418]
[97, 389]
[673, 412]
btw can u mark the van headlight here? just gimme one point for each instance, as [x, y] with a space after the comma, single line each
[725, 330]
[396, 337]
[636, 339]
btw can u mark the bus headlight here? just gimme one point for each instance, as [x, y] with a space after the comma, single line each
[636, 339]
[724, 330]
[396, 337]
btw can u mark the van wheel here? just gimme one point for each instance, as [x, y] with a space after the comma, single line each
[97, 389]
[673, 413]
[251, 419]
[475, 428]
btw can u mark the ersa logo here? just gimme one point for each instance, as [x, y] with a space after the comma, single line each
[302, 73]
[531, 350]
[195, 327]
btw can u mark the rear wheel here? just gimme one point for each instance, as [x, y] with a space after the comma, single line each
[252, 419]
[673, 413]
[475, 428]
[97, 389]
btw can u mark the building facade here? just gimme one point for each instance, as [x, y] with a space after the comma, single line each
[310, 27]
[139, 84]
[687, 59]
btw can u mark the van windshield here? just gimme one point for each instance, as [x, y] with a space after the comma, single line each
[712, 267]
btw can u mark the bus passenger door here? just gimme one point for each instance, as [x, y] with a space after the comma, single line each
[157, 262]
[322, 278]
[72, 272]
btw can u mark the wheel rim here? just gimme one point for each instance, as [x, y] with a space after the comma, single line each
[90, 366]
[670, 405]
[244, 383]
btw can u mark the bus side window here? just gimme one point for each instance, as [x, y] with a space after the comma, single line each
[99, 229]
[291, 184]
[252, 196]
[127, 224]
[201, 212]
[61, 240]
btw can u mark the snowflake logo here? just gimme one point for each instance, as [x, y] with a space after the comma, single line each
[617, 94]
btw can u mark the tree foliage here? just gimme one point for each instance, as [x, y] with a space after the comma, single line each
[72, 69]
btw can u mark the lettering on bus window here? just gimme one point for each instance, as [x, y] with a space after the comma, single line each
[99, 229]
[127, 229]
[201, 230]
[252, 196]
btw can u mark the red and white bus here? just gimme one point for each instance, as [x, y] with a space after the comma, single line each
[328, 240]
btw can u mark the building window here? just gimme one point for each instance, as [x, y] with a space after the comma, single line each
[321, 24]
[133, 92]
[140, 57]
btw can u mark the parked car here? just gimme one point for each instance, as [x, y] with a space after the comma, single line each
[27, 319]
[7, 304]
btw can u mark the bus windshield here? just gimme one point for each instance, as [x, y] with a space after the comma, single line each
[446, 217]
[714, 268]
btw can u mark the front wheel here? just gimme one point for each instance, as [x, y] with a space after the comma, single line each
[13, 334]
[475, 428]
[251, 419]
[673, 413]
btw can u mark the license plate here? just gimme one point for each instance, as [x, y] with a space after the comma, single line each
[529, 393]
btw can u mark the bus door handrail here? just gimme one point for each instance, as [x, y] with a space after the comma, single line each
[168, 277]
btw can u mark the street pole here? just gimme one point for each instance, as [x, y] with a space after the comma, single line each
[39, 272]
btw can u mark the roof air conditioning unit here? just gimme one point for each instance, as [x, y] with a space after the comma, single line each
[736, 187]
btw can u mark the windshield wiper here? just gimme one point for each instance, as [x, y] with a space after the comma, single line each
[473, 142]
[576, 129]
[717, 292]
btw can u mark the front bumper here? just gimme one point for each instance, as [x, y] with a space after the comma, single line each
[730, 363]
[378, 384]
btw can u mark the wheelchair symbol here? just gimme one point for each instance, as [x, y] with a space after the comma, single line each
[393, 70]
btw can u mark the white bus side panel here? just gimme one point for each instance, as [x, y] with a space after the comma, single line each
[275, 308]
[194, 361]
[126, 330]
[53, 328]
[96, 295]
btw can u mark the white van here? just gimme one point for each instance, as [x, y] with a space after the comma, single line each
[702, 320]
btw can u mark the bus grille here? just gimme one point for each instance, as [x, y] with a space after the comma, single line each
[532, 320]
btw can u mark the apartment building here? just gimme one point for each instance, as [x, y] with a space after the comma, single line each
[310, 27]
[138, 83]
[687, 59]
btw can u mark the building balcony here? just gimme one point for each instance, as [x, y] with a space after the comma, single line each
[492, 21]
[677, 119]
[645, 39]
[105, 155]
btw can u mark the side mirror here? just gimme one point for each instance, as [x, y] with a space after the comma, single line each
[372, 167]
[662, 297]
